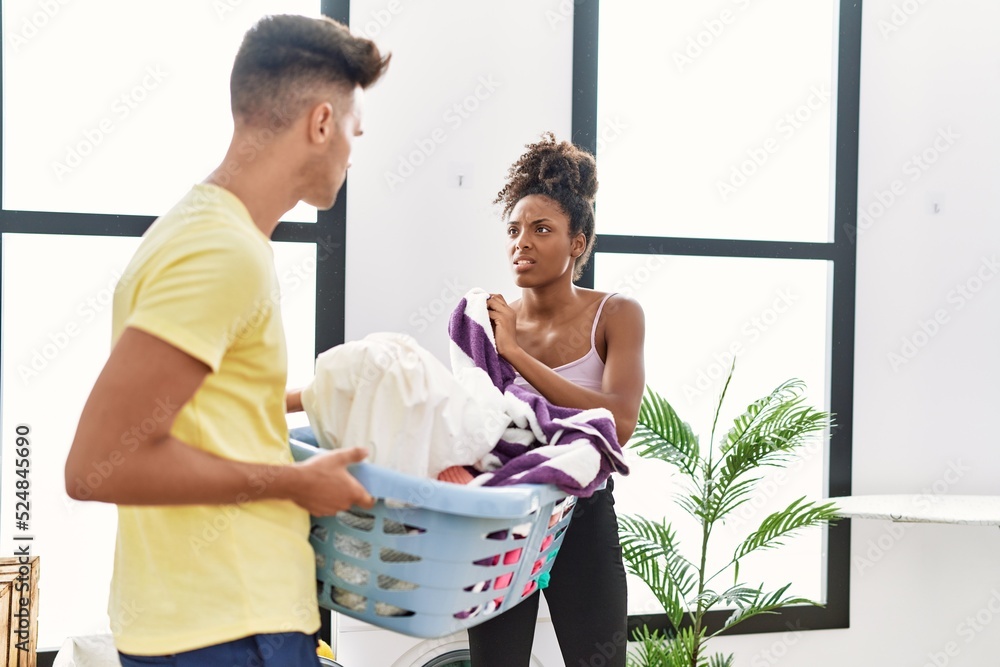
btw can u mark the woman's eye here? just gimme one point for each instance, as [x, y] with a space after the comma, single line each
[512, 231]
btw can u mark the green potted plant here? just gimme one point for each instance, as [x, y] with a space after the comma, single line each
[718, 479]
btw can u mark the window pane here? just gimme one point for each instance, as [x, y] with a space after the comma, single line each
[717, 121]
[51, 356]
[116, 106]
[296, 267]
[773, 315]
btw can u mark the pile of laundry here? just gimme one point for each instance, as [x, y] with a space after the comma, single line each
[390, 395]
[470, 424]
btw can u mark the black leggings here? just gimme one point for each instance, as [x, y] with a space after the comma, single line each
[586, 595]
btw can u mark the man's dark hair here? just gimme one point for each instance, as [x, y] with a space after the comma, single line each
[566, 174]
[286, 62]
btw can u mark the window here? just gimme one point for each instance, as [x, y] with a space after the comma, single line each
[726, 147]
[90, 159]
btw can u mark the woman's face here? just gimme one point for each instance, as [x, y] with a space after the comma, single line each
[539, 244]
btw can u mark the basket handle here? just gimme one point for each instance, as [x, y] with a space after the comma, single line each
[506, 502]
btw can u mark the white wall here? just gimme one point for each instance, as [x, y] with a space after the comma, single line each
[921, 424]
[922, 420]
[416, 246]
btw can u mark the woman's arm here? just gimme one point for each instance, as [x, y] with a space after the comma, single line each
[624, 377]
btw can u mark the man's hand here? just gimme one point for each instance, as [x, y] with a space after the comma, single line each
[326, 487]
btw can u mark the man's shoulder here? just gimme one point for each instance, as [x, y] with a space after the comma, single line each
[208, 205]
[200, 223]
[201, 246]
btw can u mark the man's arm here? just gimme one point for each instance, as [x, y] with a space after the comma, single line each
[143, 373]
[293, 400]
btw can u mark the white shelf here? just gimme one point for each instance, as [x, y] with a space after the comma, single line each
[923, 508]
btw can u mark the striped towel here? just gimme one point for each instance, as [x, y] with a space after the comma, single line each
[576, 450]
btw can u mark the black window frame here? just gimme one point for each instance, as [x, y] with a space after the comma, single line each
[843, 257]
[328, 235]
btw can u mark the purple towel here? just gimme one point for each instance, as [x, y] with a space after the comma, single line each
[576, 450]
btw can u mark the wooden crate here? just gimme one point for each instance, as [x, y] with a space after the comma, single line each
[5, 590]
[14, 632]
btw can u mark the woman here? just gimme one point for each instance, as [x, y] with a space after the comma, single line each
[578, 348]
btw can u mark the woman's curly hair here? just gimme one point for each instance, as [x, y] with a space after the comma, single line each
[566, 174]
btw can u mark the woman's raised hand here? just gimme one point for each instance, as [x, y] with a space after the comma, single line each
[504, 321]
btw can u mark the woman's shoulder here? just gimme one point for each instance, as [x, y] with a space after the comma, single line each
[622, 315]
[621, 320]
[619, 311]
[616, 302]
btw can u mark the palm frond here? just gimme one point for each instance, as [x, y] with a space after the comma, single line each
[651, 552]
[661, 434]
[766, 434]
[718, 405]
[768, 414]
[718, 660]
[764, 604]
[778, 526]
[657, 650]
[694, 505]
[787, 390]
[770, 437]
[739, 595]
[728, 496]
[707, 599]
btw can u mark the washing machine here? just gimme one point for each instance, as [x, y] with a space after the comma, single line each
[359, 644]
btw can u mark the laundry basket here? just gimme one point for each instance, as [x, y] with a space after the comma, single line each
[432, 558]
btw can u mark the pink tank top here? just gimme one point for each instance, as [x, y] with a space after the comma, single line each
[588, 370]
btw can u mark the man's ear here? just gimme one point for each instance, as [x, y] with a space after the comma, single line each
[321, 122]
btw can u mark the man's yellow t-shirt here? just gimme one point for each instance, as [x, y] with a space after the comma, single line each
[185, 577]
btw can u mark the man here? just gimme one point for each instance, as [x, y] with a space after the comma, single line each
[212, 562]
